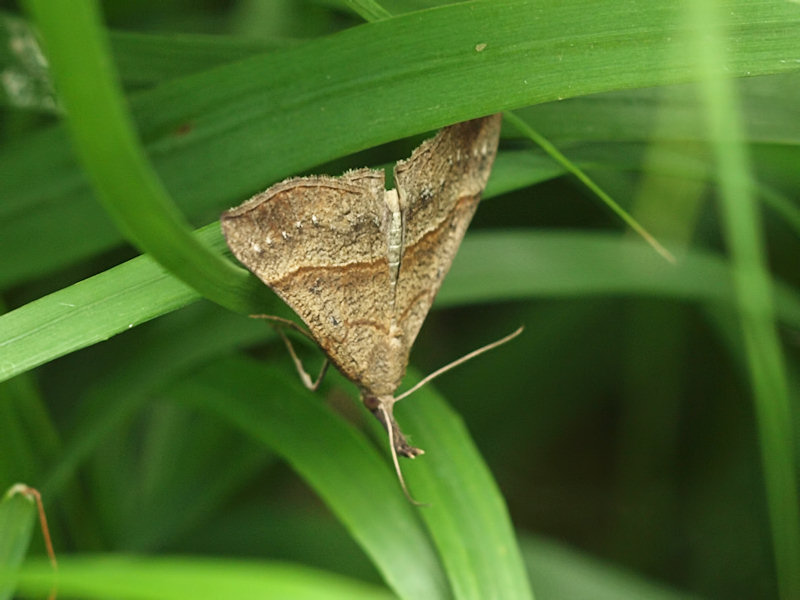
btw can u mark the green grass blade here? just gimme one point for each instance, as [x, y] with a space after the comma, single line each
[569, 265]
[466, 513]
[143, 578]
[107, 145]
[94, 310]
[29, 438]
[562, 573]
[489, 267]
[467, 517]
[17, 518]
[753, 294]
[218, 136]
[146, 415]
[145, 60]
[163, 352]
[355, 481]
[369, 10]
[570, 167]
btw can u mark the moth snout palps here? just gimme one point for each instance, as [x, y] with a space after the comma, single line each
[361, 265]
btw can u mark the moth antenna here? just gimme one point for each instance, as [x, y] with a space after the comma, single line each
[461, 360]
[396, 462]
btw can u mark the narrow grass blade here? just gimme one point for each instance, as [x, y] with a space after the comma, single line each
[108, 147]
[466, 513]
[753, 292]
[94, 310]
[570, 166]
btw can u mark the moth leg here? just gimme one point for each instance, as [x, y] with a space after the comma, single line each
[278, 323]
[397, 445]
[304, 377]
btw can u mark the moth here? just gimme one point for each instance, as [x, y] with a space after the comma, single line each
[361, 265]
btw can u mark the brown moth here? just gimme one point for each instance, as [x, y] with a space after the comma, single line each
[360, 264]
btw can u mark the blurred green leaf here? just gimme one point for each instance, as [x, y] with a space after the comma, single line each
[17, 518]
[144, 578]
[562, 573]
[753, 297]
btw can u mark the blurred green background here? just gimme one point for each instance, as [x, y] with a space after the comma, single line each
[620, 427]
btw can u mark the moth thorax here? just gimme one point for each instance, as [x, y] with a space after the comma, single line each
[394, 234]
